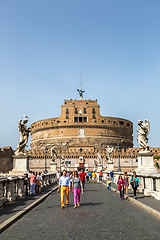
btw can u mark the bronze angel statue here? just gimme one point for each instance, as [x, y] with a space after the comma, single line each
[80, 92]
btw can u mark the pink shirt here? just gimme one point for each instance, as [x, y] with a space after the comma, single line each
[32, 178]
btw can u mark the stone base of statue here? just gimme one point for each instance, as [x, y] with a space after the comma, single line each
[20, 164]
[53, 167]
[63, 168]
[145, 163]
[99, 167]
[110, 165]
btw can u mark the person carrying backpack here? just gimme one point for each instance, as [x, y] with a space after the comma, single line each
[135, 182]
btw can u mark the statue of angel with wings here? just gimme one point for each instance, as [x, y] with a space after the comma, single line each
[24, 135]
[142, 134]
[80, 92]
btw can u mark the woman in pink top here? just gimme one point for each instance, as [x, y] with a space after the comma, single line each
[121, 183]
[32, 183]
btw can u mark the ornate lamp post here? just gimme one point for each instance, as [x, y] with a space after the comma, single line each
[119, 165]
[45, 151]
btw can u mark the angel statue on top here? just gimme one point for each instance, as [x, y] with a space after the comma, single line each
[142, 134]
[24, 135]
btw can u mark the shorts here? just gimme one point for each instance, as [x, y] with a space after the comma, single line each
[93, 178]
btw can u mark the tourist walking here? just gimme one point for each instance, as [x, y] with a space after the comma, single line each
[93, 177]
[135, 182]
[90, 176]
[87, 177]
[112, 176]
[108, 182]
[97, 175]
[82, 175]
[58, 176]
[64, 185]
[120, 183]
[126, 183]
[26, 181]
[38, 183]
[32, 183]
[77, 186]
[100, 176]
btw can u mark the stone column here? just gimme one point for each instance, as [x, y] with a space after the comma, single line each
[53, 167]
[110, 165]
[20, 187]
[145, 163]
[11, 189]
[21, 164]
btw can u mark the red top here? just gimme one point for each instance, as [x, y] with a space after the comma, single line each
[100, 173]
[82, 176]
[32, 178]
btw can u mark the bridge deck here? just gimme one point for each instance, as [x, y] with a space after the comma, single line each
[102, 215]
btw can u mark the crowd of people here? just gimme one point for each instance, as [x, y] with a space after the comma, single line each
[33, 183]
[75, 182]
[123, 183]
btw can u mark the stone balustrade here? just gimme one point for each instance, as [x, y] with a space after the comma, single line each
[150, 183]
[12, 187]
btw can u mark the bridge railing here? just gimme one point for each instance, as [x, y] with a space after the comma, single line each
[150, 183]
[12, 187]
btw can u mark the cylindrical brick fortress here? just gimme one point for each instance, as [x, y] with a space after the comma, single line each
[80, 125]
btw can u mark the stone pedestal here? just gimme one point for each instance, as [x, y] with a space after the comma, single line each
[99, 168]
[145, 163]
[63, 168]
[53, 167]
[20, 164]
[110, 166]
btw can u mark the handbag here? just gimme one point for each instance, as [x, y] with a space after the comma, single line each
[120, 186]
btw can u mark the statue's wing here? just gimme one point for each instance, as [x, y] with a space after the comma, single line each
[147, 124]
[78, 90]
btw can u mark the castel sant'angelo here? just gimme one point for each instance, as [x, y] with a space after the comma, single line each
[79, 133]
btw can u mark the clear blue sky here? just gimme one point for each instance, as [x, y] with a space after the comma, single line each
[44, 46]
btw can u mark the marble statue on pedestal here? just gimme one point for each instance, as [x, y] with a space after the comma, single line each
[99, 159]
[24, 135]
[109, 151]
[62, 161]
[145, 156]
[53, 154]
[142, 134]
[110, 163]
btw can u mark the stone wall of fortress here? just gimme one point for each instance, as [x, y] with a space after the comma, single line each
[6, 160]
[81, 131]
[81, 115]
[128, 159]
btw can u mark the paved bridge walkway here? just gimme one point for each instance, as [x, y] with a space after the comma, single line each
[102, 215]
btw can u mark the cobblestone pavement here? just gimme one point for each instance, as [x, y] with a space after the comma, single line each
[147, 200]
[102, 215]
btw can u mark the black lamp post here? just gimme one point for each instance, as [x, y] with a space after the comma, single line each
[45, 151]
[119, 165]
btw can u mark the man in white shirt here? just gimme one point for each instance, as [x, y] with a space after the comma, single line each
[65, 186]
[58, 176]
